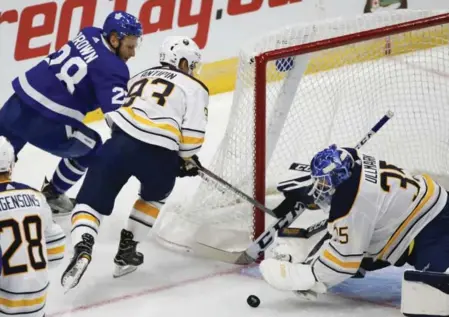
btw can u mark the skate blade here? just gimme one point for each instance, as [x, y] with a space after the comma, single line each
[123, 270]
[72, 277]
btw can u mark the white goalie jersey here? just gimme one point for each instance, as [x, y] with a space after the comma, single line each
[375, 214]
[167, 108]
[31, 243]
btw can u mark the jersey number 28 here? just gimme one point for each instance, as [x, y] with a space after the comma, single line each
[76, 64]
[33, 240]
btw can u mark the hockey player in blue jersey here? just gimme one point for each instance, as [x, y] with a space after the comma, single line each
[52, 99]
[155, 137]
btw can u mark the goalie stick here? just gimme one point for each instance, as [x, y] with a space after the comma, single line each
[255, 249]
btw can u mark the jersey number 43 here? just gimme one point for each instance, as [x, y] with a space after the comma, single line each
[136, 90]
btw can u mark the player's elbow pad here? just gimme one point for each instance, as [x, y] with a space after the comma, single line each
[56, 241]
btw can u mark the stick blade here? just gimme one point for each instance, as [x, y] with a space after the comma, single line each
[225, 245]
[232, 257]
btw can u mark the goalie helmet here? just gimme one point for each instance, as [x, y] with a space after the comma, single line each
[330, 168]
[7, 157]
[176, 48]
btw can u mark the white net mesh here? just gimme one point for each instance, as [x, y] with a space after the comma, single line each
[330, 96]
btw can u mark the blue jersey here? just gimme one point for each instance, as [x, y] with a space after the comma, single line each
[82, 76]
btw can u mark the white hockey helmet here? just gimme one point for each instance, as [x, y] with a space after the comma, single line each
[176, 48]
[7, 157]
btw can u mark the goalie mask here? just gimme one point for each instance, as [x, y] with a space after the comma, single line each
[176, 48]
[330, 168]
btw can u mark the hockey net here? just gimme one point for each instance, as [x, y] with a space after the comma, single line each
[304, 87]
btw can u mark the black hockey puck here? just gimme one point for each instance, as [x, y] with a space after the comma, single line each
[253, 301]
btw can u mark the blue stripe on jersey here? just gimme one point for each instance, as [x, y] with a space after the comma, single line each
[14, 186]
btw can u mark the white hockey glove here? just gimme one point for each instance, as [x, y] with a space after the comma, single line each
[287, 276]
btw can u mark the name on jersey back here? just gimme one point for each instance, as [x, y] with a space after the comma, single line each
[86, 50]
[17, 201]
[370, 168]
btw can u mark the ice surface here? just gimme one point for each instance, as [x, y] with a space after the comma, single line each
[177, 284]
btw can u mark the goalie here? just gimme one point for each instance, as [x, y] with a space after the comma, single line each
[378, 213]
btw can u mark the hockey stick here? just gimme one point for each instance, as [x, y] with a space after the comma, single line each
[256, 249]
[306, 168]
[207, 174]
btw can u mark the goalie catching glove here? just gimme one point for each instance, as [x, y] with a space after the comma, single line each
[189, 166]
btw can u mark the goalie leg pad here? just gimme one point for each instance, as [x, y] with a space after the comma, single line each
[425, 293]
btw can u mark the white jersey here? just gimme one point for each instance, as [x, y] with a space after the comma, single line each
[167, 108]
[30, 243]
[375, 214]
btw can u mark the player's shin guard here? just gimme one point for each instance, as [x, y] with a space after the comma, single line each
[425, 294]
[67, 174]
[85, 225]
[141, 220]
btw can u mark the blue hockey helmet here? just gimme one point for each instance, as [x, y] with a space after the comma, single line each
[123, 24]
[330, 168]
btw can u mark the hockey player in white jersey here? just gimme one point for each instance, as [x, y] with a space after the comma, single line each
[377, 212]
[155, 135]
[30, 242]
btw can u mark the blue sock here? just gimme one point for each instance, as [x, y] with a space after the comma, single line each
[67, 174]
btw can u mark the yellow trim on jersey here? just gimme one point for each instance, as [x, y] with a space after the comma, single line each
[85, 216]
[411, 246]
[192, 140]
[429, 194]
[56, 250]
[148, 122]
[22, 302]
[146, 208]
[343, 264]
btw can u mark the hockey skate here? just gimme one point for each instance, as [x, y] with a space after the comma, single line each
[127, 259]
[79, 263]
[60, 204]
